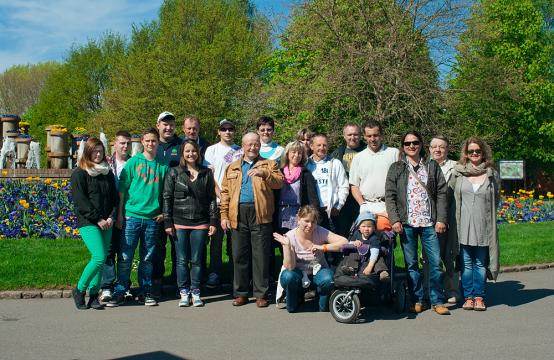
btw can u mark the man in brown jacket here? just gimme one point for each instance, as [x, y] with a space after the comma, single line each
[247, 207]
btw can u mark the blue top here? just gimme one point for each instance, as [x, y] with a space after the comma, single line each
[246, 191]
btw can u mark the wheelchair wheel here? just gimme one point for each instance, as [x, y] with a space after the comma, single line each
[400, 295]
[345, 306]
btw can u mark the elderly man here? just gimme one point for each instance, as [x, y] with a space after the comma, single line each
[345, 153]
[439, 152]
[247, 206]
[368, 171]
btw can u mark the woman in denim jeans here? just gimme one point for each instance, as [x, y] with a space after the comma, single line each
[190, 213]
[475, 184]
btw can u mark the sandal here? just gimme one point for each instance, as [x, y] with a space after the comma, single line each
[468, 304]
[479, 304]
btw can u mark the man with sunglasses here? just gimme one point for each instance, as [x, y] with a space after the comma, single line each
[368, 170]
[217, 158]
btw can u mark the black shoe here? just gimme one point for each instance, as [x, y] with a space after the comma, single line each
[116, 300]
[94, 303]
[79, 299]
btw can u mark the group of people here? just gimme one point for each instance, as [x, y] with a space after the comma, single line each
[306, 200]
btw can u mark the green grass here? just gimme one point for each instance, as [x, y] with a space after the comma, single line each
[46, 263]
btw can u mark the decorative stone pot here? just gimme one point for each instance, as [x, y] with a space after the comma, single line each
[23, 143]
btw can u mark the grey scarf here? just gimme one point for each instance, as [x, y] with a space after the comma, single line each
[102, 168]
[471, 170]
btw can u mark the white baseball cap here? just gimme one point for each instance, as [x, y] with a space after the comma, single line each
[166, 114]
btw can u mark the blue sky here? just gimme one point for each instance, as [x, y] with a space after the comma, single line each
[33, 31]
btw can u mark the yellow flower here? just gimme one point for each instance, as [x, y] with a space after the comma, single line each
[541, 197]
[76, 232]
[511, 222]
[67, 229]
[29, 178]
[47, 181]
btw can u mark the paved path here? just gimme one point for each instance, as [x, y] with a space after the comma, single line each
[519, 324]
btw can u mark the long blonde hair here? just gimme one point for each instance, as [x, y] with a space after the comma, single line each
[85, 162]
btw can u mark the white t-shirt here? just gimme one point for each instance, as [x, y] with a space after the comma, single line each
[368, 171]
[321, 171]
[271, 151]
[219, 156]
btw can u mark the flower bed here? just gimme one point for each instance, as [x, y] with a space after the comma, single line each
[37, 207]
[524, 207]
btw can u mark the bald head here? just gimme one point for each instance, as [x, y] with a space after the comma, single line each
[251, 145]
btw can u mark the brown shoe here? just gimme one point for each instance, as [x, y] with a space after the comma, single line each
[440, 309]
[468, 304]
[261, 302]
[416, 308]
[479, 304]
[240, 300]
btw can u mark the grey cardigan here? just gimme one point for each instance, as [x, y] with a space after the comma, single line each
[492, 198]
[396, 186]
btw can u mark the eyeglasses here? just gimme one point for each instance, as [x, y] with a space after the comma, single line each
[474, 151]
[266, 130]
[227, 129]
[410, 143]
[442, 147]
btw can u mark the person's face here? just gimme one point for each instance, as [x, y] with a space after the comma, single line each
[190, 154]
[266, 133]
[372, 137]
[438, 150]
[411, 146]
[306, 224]
[191, 128]
[475, 154]
[366, 229]
[226, 133]
[98, 154]
[306, 141]
[166, 129]
[319, 146]
[352, 136]
[251, 147]
[122, 145]
[150, 143]
[294, 157]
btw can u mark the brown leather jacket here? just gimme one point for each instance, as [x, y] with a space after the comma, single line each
[262, 187]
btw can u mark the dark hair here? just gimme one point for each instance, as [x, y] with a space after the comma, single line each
[421, 145]
[265, 120]
[318, 135]
[440, 137]
[152, 131]
[486, 152]
[370, 123]
[182, 161]
[85, 161]
[123, 133]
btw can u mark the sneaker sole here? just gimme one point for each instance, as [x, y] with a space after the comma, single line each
[147, 304]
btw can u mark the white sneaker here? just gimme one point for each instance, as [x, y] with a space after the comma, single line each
[196, 301]
[185, 298]
[106, 295]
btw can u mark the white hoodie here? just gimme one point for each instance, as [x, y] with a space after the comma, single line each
[332, 182]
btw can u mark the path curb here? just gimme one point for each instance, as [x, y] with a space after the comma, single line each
[66, 293]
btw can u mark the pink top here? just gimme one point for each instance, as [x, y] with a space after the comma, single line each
[196, 227]
[305, 259]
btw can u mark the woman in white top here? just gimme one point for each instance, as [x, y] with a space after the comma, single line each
[475, 185]
[303, 252]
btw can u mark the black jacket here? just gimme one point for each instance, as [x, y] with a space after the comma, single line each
[396, 186]
[169, 153]
[189, 203]
[95, 197]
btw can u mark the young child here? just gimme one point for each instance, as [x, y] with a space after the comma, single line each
[366, 234]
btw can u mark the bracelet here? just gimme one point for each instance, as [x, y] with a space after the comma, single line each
[325, 248]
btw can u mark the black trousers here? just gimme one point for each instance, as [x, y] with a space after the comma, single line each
[158, 261]
[251, 245]
[347, 216]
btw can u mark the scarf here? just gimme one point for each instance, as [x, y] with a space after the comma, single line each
[470, 170]
[102, 168]
[292, 175]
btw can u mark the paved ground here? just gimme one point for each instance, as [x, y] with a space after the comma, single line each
[519, 324]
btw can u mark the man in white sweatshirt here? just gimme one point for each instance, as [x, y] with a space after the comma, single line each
[331, 180]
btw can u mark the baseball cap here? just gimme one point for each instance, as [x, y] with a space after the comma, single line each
[166, 114]
[226, 122]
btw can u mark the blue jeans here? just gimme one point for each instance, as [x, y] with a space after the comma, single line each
[430, 242]
[189, 247]
[474, 271]
[146, 231]
[292, 283]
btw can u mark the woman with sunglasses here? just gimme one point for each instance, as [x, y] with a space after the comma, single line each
[475, 185]
[415, 197]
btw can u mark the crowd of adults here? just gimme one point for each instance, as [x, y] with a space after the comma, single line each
[261, 196]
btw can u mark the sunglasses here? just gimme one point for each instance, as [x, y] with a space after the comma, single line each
[266, 130]
[227, 129]
[414, 143]
[474, 151]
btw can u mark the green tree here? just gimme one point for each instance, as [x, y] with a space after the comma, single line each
[502, 85]
[20, 86]
[201, 57]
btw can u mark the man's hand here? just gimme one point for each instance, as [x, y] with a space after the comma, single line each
[255, 172]
[225, 225]
[440, 228]
[159, 218]
[397, 227]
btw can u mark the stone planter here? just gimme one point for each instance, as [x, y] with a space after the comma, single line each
[22, 149]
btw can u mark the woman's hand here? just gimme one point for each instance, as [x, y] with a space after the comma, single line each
[315, 248]
[170, 231]
[283, 240]
[357, 243]
[211, 230]
[103, 224]
[440, 228]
